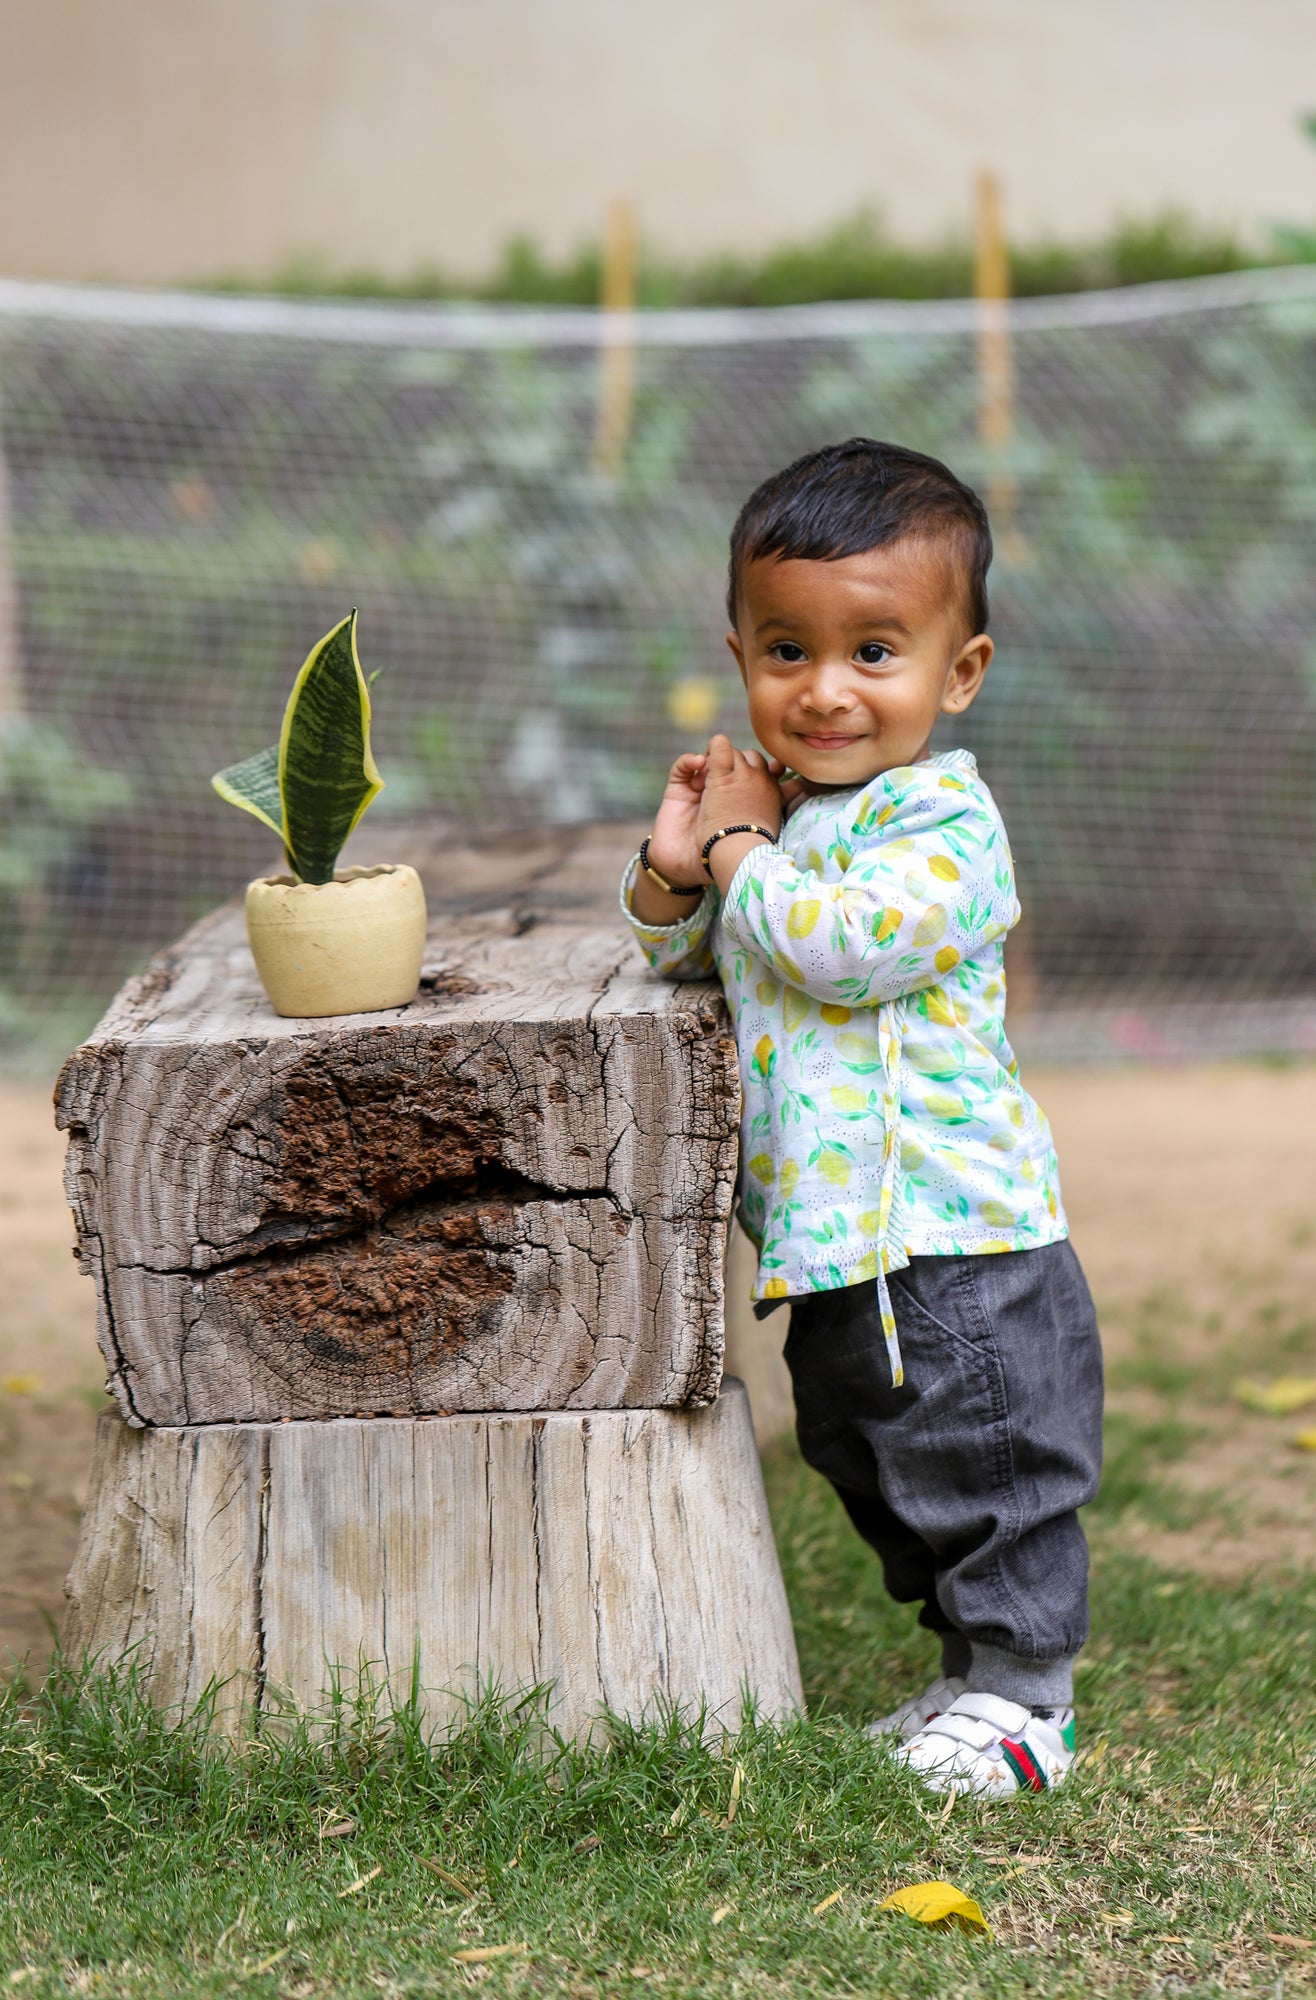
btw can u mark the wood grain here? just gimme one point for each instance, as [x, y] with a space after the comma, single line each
[512, 1194]
[624, 1557]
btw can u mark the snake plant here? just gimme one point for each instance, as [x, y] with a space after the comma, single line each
[312, 786]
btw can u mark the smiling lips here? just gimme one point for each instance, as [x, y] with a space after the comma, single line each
[833, 740]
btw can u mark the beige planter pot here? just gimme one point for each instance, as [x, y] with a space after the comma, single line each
[350, 946]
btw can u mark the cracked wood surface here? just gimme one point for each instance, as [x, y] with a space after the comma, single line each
[510, 1195]
[624, 1556]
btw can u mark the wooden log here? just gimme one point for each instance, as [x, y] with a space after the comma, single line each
[625, 1557]
[511, 1195]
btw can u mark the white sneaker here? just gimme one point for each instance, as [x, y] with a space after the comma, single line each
[911, 1716]
[982, 1743]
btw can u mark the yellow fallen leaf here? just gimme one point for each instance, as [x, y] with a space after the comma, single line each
[360, 1882]
[482, 1953]
[21, 1385]
[1116, 1916]
[272, 1960]
[827, 1902]
[1295, 1943]
[733, 1803]
[939, 1903]
[722, 1910]
[1279, 1398]
[339, 1828]
[1305, 1440]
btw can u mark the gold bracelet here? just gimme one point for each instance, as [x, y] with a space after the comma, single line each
[671, 888]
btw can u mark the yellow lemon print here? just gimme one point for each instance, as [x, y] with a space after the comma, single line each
[888, 924]
[859, 1048]
[794, 1008]
[788, 968]
[1051, 1204]
[846, 1098]
[912, 1156]
[762, 1168]
[932, 925]
[814, 860]
[789, 1178]
[996, 1212]
[949, 784]
[904, 845]
[946, 958]
[842, 857]
[869, 1220]
[766, 991]
[944, 868]
[1028, 1172]
[775, 1288]
[916, 882]
[765, 1055]
[993, 1246]
[865, 1268]
[1002, 1142]
[834, 1167]
[954, 1159]
[938, 1008]
[942, 1106]
[834, 1014]
[1014, 1111]
[802, 917]
[962, 1013]
[886, 813]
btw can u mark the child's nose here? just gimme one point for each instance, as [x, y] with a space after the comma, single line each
[829, 688]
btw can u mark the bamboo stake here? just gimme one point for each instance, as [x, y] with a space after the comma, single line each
[617, 356]
[995, 357]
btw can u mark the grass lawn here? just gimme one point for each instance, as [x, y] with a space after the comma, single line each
[1180, 1859]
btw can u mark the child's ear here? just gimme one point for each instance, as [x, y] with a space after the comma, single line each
[733, 641]
[966, 674]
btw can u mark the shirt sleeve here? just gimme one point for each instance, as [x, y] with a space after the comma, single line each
[927, 881]
[677, 951]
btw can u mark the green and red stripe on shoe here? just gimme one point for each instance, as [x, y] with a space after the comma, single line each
[983, 1743]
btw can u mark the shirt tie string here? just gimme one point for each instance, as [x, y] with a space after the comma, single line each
[891, 1252]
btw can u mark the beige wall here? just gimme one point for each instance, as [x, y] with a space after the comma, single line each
[168, 139]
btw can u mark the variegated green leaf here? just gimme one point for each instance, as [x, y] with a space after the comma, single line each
[254, 786]
[327, 776]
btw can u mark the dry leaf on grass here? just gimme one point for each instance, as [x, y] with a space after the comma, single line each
[1114, 1917]
[456, 1882]
[360, 1881]
[1294, 1943]
[940, 1904]
[1279, 1398]
[267, 1963]
[722, 1910]
[339, 1829]
[733, 1803]
[827, 1902]
[480, 1954]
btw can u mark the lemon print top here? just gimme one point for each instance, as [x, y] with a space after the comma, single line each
[861, 957]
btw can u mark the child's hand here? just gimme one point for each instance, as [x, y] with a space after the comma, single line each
[673, 849]
[738, 786]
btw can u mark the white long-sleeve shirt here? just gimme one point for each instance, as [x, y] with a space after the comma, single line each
[861, 957]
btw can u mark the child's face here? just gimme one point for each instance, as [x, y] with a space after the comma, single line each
[848, 664]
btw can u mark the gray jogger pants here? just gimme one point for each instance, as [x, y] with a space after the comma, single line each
[967, 1478]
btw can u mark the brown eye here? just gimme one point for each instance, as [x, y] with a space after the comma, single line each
[873, 653]
[788, 653]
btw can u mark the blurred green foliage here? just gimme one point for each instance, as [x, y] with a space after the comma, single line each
[857, 259]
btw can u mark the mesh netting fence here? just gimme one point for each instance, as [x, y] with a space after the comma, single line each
[195, 489]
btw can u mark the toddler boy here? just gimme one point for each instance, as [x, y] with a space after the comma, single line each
[853, 892]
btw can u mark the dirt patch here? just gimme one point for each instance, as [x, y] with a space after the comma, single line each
[1189, 1194]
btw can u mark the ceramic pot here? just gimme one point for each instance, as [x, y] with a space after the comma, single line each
[350, 946]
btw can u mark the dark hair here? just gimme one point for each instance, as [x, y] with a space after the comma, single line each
[863, 495]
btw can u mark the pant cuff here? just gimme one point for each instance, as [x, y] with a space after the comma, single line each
[1032, 1683]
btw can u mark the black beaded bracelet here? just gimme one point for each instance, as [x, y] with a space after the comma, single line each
[672, 888]
[722, 834]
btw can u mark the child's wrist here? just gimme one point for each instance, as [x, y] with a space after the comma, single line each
[725, 856]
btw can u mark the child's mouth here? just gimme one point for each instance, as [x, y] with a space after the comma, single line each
[831, 741]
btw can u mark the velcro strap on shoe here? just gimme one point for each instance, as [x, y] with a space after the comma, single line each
[1006, 1717]
[965, 1729]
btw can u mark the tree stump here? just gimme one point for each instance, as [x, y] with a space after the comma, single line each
[414, 1320]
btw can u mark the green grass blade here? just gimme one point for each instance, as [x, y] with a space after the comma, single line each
[327, 776]
[253, 786]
